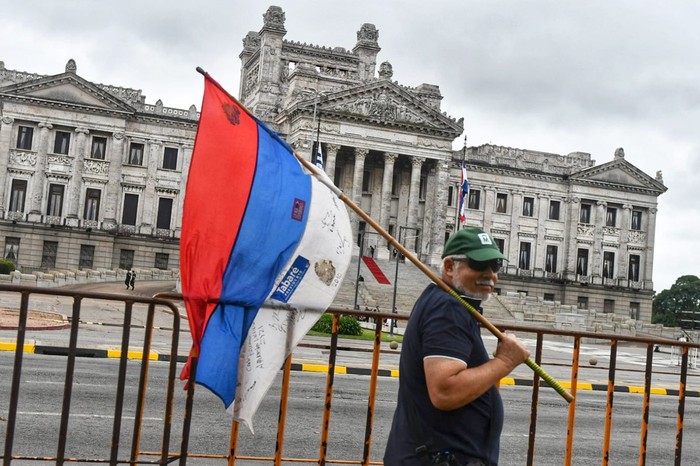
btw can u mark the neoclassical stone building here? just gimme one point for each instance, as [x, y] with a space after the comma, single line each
[92, 176]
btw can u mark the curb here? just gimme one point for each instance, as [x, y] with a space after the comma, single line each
[323, 368]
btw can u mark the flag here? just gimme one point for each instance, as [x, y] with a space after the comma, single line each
[463, 192]
[319, 156]
[263, 249]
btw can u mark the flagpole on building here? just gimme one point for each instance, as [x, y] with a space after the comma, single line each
[322, 177]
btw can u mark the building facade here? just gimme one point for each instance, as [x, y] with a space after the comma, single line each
[93, 177]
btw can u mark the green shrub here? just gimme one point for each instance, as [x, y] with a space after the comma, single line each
[6, 266]
[346, 325]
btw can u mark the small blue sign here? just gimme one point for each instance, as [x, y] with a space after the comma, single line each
[291, 280]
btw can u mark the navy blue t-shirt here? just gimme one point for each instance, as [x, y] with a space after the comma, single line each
[440, 326]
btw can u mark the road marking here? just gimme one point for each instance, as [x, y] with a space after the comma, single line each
[73, 415]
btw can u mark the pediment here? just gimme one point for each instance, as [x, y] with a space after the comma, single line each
[388, 104]
[619, 174]
[66, 88]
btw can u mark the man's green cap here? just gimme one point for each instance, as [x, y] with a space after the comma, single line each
[473, 243]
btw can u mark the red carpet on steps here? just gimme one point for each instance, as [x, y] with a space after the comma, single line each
[376, 271]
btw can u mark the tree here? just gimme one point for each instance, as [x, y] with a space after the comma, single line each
[678, 306]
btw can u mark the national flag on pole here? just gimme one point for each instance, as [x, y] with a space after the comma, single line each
[463, 192]
[319, 156]
[263, 250]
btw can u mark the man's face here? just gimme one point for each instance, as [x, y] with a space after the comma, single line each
[478, 284]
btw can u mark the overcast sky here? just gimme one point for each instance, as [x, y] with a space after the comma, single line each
[555, 76]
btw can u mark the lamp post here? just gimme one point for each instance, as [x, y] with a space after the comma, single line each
[398, 258]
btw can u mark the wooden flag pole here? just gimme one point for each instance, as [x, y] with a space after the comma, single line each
[322, 177]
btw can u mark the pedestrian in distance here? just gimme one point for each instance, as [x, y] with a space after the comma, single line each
[132, 279]
[449, 411]
[127, 280]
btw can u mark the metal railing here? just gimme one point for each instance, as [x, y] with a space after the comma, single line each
[138, 455]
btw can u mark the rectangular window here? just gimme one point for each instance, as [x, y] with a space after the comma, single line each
[92, 204]
[87, 256]
[549, 297]
[131, 204]
[551, 259]
[165, 210]
[582, 262]
[450, 196]
[61, 143]
[608, 264]
[161, 261]
[17, 195]
[585, 214]
[633, 269]
[11, 249]
[501, 203]
[636, 220]
[126, 259]
[48, 254]
[608, 306]
[583, 302]
[634, 310]
[611, 217]
[99, 148]
[501, 243]
[136, 153]
[170, 158]
[474, 199]
[55, 205]
[25, 134]
[524, 256]
[554, 210]
[528, 206]
[422, 187]
[366, 181]
[396, 184]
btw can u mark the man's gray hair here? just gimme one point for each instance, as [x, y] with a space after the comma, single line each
[454, 257]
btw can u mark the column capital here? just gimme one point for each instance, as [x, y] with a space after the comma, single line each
[390, 157]
[332, 148]
[7, 120]
[82, 130]
[118, 135]
[417, 161]
[653, 210]
[602, 203]
[627, 206]
[573, 200]
[361, 153]
[45, 125]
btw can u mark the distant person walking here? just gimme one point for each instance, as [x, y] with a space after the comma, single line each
[127, 280]
[132, 279]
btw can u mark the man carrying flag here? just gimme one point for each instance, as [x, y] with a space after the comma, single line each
[264, 248]
[463, 192]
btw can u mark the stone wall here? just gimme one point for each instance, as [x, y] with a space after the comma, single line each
[58, 278]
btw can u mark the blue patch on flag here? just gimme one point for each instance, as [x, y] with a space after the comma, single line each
[291, 280]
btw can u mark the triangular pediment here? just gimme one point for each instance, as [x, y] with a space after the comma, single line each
[66, 88]
[385, 103]
[619, 174]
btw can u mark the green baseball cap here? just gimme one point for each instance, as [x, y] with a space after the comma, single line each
[473, 243]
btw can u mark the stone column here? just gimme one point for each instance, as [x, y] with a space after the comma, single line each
[112, 197]
[149, 202]
[570, 238]
[538, 255]
[331, 154]
[649, 254]
[623, 253]
[357, 174]
[438, 206]
[186, 160]
[413, 195]
[489, 201]
[7, 129]
[595, 261]
[37, 183]
[76, 182]
[385, 213]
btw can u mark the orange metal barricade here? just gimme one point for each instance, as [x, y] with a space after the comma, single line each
[174, 401]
